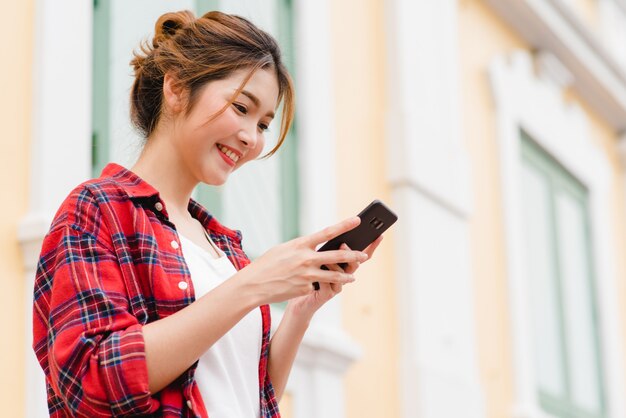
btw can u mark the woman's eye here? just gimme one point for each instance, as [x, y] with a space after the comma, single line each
[240, 108]
[263, 127]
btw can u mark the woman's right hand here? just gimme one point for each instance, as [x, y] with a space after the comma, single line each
[289, 270]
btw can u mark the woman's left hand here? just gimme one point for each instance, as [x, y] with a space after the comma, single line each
[307, 305]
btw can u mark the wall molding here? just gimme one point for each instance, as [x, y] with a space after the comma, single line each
[526, 102]
[429, 175]
[551, 25]
[61, 141]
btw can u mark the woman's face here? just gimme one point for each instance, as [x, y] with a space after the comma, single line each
[212, 150]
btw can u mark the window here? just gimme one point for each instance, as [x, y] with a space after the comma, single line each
[100, 99]
[560, 274]
[262, 198]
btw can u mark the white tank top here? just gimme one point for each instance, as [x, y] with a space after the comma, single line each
[228, 373]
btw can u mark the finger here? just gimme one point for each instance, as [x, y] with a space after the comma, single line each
[351, 267]
[328, 290]
[334, 267]
[339, 256]
[332, 231]
[336, 288]
[372, 247]
[329, 276]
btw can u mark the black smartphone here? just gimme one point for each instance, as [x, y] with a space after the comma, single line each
[376, 218]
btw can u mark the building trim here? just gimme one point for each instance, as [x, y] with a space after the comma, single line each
[429, 175]
[553, 26]
[61, 134]
[535, 105]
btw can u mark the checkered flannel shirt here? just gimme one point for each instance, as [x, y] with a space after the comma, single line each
[110, 264]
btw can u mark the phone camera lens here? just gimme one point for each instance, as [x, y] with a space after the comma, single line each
[377, 223]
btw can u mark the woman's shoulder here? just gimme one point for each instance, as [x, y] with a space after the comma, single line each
[114, 189]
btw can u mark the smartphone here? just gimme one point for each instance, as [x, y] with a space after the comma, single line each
[376, 218]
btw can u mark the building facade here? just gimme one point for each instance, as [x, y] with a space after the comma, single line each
[494, 128]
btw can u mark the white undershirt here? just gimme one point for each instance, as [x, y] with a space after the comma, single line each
[228, 373]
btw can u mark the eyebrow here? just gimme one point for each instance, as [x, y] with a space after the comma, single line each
[255, 100]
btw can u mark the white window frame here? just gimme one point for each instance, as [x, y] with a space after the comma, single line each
[535, 104]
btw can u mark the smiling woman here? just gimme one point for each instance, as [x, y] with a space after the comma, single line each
[145, 304]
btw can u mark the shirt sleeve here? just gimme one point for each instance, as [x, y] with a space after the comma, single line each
[92, 347]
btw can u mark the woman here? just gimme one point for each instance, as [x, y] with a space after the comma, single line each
[144, 303]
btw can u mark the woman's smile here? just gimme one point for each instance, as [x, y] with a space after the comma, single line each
[231, 153]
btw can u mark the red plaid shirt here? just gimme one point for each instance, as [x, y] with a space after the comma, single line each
[110, 264]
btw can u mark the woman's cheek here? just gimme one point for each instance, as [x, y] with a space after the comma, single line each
[259, 146]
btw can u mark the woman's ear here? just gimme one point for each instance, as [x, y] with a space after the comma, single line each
[174, 98]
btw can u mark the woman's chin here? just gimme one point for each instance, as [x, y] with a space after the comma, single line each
[215, 180]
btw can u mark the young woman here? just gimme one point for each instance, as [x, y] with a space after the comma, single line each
[144, 304]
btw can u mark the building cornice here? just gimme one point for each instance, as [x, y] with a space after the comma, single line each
[551, 25]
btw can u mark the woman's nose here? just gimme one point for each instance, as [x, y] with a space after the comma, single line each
[248, 137]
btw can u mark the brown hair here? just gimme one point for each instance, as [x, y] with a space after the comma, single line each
[197, 51]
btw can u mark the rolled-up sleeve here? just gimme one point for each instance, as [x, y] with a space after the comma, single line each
[88, 342]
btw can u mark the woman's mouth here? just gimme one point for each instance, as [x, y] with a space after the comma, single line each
[229, 156]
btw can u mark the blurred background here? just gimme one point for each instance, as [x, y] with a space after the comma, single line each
[494, 128]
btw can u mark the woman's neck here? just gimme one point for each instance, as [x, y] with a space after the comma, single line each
[160, 165]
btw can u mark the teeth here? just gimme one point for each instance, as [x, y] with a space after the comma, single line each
[229, 153]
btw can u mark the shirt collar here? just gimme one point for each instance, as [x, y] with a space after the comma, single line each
[132, 184]
[137, 188]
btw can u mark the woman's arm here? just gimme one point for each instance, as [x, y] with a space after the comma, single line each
[284, 347]
[285, 272]
[174, 343]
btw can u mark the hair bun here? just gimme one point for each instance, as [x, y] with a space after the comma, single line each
[170, 23]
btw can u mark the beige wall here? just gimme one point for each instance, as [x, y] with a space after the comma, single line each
[368, 305]
[483, 36]
[15, 109]
[587, 11]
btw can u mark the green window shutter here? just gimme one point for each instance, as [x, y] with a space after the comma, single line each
[560, 267]
[101, 86]
[288, 154]
[288, 178]
[203, 6]
[209, 196]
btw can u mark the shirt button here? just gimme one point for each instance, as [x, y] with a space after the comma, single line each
[183, 285]
[174, 244]
[158, 206]
[189, 405]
